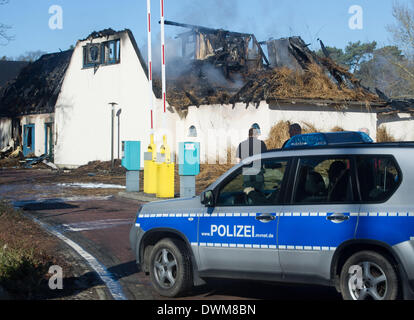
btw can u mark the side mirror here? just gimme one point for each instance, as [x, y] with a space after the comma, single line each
[207, 198]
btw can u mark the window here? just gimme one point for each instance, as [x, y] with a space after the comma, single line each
[323, 180]
[255, 186]
[192, 132]
[378, 176]
[111, 52]
[101, 53]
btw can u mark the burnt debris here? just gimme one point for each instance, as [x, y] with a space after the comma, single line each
[223, 49]
[230, 67]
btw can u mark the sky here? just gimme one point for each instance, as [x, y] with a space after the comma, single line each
[311, 19]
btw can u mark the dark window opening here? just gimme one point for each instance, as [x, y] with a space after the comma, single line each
[29, 138]
[379, 177]
[323, 180]
[255, 185]
[192, 132]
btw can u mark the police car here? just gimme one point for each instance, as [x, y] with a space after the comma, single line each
[333, 214]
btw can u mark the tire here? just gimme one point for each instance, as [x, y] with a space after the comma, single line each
[170, 268]
[378, 278]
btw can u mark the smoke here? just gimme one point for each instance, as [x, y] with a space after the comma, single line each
[212, 13]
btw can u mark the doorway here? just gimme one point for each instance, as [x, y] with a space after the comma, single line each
[49, 140]
[28, 139]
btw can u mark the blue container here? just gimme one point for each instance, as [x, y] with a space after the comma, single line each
[131, 155]
[189, 158]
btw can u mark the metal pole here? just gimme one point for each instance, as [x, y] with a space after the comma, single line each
[118, 114]
[164, 91]
[112, 138]
[113, 104]
[151, 104]
[119, 138]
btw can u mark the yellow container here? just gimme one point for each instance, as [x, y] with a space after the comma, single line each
[165, 173]
[165, 177]
[150, 168]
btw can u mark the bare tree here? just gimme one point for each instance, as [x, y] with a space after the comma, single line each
[403, 35]
[5, 38]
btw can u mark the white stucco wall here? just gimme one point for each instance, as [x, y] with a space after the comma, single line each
[39, 121]
[400, 126]
[83, 113]
[220, 126]
[5, 132]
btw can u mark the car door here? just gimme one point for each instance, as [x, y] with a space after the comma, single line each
[239, 234]
[321, 215]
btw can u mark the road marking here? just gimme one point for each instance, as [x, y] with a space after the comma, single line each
[107, 277]
[96, 225]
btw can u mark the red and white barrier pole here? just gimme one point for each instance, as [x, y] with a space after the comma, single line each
[151, 102]
[164, 90]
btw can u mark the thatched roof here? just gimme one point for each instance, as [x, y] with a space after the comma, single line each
[37, 87]
[9, 70]
[295, 73]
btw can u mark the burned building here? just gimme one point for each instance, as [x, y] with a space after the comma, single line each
[243, 73]
[227, 50]
[27, 104]
[229, 83]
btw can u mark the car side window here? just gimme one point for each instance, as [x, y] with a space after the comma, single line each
[252, 185]
[378, 176]
[323, 180]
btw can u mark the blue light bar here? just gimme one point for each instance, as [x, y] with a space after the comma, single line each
[330, 138]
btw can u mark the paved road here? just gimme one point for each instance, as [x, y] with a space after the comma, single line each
[101, 227]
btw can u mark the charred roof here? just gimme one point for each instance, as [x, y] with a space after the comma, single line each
[102, 33]
[9, 70]
[292, 71]
[37, 87]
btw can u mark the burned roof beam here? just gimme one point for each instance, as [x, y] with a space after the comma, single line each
[205, 29]
[259, 47]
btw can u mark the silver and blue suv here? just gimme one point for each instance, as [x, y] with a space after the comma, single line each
[340, 215]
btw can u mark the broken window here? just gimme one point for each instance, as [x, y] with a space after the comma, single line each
[111, 52]
[101, 53]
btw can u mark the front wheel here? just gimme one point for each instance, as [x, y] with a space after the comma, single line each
[368, 275]
[170, 268]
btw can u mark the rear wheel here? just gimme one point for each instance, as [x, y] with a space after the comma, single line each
[170, 268]
[367, 275]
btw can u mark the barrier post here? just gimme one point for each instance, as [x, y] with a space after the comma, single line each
[165, 172]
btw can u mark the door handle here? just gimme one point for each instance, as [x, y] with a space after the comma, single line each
[337, 217]
[266, 218]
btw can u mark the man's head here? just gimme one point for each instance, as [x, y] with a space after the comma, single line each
[294, 130]
[253, 133]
